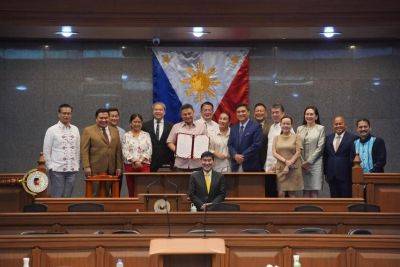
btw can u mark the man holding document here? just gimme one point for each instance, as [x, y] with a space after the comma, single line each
[188, 140]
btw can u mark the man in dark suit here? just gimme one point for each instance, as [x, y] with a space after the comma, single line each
[244, 142]
[206, 186]
[159, 130]
[338, 159]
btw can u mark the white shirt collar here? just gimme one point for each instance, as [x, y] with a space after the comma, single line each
[63, 126]
[340, 135]
[244, 124]
[161, 121]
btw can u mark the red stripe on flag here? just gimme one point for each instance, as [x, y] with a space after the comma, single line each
[237, 93]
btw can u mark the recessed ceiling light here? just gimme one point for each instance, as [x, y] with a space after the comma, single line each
[66, 31]
[352, 47]
[21, 87]
[198, 32]
[329, 32]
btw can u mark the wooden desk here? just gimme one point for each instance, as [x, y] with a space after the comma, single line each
[246, 204]
[241, 250]
[183, 222]
[382, 189]
[248, 184]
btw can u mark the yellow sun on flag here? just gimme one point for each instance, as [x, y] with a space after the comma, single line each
[235, 59]
[166, 59]
[201, 82]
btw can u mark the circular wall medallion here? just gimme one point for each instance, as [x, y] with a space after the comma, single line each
[35, 182]
[162, 205]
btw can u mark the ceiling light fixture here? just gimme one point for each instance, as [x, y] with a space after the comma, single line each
[66, 31]
[198, 32]
[329, 32]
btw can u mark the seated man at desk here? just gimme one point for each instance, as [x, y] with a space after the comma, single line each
[206, 186]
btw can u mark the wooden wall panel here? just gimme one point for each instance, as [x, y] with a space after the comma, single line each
[13, 257]
[72, 258]
[322, 257]
[254, 257]
[373, 258]
[131, 256]
[387, 197]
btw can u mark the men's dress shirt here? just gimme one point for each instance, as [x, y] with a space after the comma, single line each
[194, 129]
[207, 177]
[61, 148]
[121, 133]
[211, 126]
[337, 140]
[160, 128]
[108, 134]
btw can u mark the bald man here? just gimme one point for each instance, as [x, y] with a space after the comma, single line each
[338, 159]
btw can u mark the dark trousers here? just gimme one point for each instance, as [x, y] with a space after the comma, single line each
[270, 186]
[340, 188]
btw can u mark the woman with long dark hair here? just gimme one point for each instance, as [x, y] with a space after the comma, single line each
[312, 135]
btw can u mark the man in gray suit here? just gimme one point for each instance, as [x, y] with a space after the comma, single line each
[206, 186]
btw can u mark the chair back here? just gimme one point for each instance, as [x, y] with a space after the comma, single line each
[255, 231]
[311, 208]
[35, 207]
[363, 207]
[224, 206]
[86, 207]
[310, 230]
[360, 232]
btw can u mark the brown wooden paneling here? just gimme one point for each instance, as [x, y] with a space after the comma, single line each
[322, 257]
[242, 251]
[132, 256]
[255, 257]
[63, 257]
[248, 184]
[246, 204]
[382, 189]
[387, 197]
[378, 257]
[13, 257]
[222, 222]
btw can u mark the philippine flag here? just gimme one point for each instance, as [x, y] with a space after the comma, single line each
[195, 75]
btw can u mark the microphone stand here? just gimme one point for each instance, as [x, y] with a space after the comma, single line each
[204, 221]
[168, 221]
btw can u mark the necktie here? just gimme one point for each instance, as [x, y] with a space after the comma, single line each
[337, 143]
[241, 133]
[208, 181]
[158, 130]
[105, 135]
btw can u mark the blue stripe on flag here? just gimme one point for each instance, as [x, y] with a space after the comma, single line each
[163, 92]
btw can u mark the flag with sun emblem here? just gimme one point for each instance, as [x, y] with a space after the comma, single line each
[195, 75]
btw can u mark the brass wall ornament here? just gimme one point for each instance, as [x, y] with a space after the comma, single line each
[35, 182]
